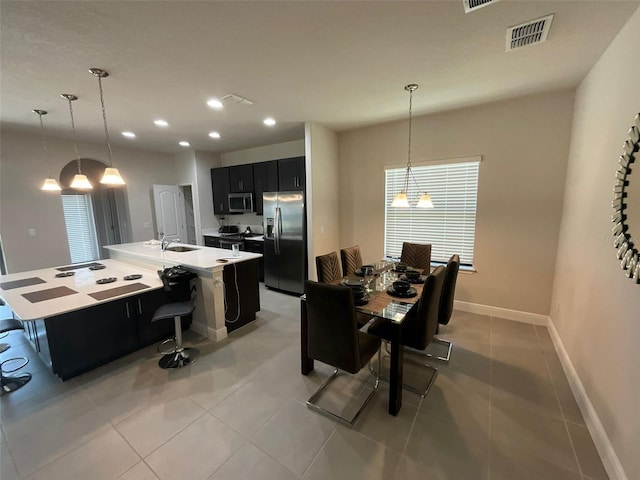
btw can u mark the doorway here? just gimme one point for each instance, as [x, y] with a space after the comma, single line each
[175, 213]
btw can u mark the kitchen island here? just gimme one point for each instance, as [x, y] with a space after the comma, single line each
[80, 316]
[228, 289]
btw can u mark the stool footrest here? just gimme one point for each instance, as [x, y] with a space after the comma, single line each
[179, 359]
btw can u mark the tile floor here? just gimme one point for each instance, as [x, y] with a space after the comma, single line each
[502, 409]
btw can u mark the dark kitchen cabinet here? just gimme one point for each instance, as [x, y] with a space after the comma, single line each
[242, 295]
[256, 246]
[265, 179]
[220, 188]
[241, 178]
[291, 174]
[211, 241]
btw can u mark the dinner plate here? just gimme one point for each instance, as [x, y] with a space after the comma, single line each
[361, 301]
[412, 292]
[359, 271]
[352, 282]
[419, 280]
[106, 280]
[134, 276]
[97, 267]
[65, 274]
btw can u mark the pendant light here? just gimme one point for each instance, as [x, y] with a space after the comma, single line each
[111, 175]
[50, 184]
[401, 200]
[80, 181]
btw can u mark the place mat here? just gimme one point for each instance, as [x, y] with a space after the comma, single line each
[25, 282]
[114, 292]
[48, 294]
[79, 265]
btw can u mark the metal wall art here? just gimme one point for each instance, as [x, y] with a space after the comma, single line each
[626, 244]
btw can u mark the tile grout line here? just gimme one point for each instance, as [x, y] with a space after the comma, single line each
[326, 440]
[490, 434]
[555, 392]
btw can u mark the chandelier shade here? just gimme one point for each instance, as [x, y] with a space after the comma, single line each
[111, 174]
[401, 199]
[50, 184]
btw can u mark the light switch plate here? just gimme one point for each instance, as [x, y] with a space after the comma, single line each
[32, 232]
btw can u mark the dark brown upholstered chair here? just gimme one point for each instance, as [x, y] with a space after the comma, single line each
[328, 268]
[417, 255]
[446, 303]
[333, 337]
[351, 259]
[420, 324]
[11, 383]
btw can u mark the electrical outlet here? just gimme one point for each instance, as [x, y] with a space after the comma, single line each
[146, 225]
[558, 306]
[321, 228]
[32, 232]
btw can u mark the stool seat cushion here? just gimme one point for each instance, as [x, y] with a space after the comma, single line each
[176, 309]
[9, 324]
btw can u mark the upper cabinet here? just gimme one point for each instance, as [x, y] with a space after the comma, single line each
[220, 187]
[241, 178]
[265, 179]
[291, 175]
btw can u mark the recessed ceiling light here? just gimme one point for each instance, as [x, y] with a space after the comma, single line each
[129, 134]
[184, 144]
[214, 134]
[269, 122]
[161, 123]
[215, 103]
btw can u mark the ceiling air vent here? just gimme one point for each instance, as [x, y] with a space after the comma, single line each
[235, 98]
[529, 33]
[471, 5]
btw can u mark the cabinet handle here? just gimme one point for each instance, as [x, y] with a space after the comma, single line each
[139, 307]
[241, 185]
[221, 207]
[126, 304]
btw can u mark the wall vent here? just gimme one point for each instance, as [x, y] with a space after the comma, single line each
[472, 5]
[529, 33]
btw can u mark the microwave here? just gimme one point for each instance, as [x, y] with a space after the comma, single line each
[241, 202]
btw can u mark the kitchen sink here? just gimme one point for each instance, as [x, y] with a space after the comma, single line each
[180, 248]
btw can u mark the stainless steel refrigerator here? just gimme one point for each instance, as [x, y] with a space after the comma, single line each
[285, 241]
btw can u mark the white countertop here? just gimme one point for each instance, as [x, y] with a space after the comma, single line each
[83, 282]
[199, 258]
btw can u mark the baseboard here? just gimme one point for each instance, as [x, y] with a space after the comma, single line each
[516, 315]
[600, 438]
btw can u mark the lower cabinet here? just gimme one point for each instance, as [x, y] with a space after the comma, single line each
[79, 341]
[242, 295]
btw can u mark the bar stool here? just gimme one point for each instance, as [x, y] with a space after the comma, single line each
[11, 383]
[179, 356]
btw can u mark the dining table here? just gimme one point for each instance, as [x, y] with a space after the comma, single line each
[380, 304]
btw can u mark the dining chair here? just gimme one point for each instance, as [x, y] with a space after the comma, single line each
[419, 325]
[333, 338]
[328, 268]
[446, 304]
[351, 259]
[417, 255]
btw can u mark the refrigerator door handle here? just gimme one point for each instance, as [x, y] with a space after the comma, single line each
[278, 230]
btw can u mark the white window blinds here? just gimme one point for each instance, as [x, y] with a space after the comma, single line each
[450, 226]
[81, 229]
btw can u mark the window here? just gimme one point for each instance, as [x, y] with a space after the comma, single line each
[81, 228]
[450, 226]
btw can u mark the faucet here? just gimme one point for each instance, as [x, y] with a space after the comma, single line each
[165, 243]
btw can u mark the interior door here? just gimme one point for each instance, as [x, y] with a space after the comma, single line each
[170, 217]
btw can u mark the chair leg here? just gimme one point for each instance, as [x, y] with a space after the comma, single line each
[324, 411]
[439, 341]
[180, 357]
[11, 383]
[411, 388]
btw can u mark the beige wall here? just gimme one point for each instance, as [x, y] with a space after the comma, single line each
[23, 205]
[264, 154]
[598, 309]
[524, 146]
[323, 195]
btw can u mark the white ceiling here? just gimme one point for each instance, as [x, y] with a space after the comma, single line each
[343, 64]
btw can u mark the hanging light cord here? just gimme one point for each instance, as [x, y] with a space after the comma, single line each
[73, 128]
[104, 118]
[406, 179]
[44, 144]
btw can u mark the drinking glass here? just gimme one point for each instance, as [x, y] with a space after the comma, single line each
[368, 276]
